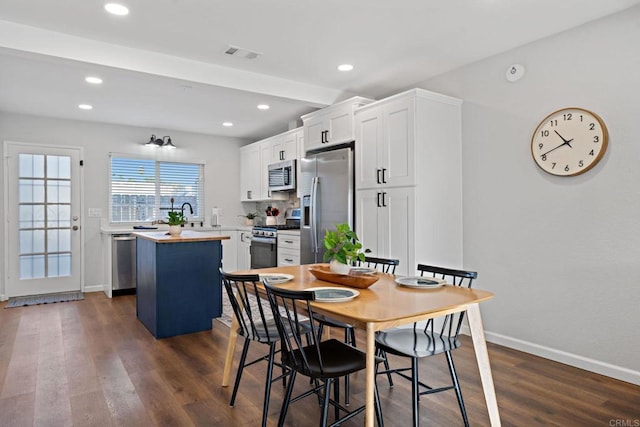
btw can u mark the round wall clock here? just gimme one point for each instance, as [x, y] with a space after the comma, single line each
[569, 142]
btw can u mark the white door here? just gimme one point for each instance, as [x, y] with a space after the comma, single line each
[42, 199]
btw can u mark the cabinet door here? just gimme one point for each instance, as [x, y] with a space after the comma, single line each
[339, 123]
[230, 251]
[289, 146]
[313, 132]
[398, 227]
[367, 227]
[244, 251]
[266, 150]
[250, 168]
[368, 134]
[398, 143]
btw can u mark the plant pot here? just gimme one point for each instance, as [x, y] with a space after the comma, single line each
[338, 267]
[248, 222]
[175, 230]
[271, 220]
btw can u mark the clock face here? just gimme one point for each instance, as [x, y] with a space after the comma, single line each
[569, 142]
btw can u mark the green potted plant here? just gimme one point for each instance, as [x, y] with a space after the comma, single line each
[176, 219]
[342, 248]
[250, 218]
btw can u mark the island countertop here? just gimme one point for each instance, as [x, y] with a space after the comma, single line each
[185, 236]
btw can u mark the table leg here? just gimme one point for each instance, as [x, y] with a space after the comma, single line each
[369, 415]
[482, 357]
[231, 347]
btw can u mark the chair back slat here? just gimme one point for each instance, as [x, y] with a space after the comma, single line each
[248, 306]
[294, 308]
[386, 265]
[451, 323]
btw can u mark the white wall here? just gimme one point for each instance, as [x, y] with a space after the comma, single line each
[561, 254]
[219, 154]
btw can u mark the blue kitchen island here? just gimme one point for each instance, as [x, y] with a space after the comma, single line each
[179, 290]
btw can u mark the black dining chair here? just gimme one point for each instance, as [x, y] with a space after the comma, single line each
[255, 323]
[324, 362]
[385, 265]
[437, 336]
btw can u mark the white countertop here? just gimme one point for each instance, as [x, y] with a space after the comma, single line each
[121, 229]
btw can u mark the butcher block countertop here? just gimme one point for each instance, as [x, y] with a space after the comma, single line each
[185, 236]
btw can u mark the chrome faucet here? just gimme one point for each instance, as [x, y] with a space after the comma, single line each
[186, 204]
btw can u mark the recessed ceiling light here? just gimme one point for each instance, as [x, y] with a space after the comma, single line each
[227, 124]
[93, 80]
[116, 9]
[85, 107]
[345, 67]
[263, 107]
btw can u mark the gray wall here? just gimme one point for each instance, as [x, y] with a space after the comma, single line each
[219, 154]
[561, 254]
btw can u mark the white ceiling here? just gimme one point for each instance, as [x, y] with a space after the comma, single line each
[163, 66]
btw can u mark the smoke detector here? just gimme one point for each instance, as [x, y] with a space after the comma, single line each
[241, 52]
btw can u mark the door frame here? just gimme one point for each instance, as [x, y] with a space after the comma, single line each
[5, 209]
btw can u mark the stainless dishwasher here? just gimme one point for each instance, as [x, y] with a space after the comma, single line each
[123, 264]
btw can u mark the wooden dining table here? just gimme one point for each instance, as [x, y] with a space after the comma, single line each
[385, 305]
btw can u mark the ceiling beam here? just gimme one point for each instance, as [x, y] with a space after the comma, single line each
[36, 40]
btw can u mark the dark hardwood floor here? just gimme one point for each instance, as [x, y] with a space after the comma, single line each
[91, 363]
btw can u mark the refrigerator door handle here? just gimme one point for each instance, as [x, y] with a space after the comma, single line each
[314, 218]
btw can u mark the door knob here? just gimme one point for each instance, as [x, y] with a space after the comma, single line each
[74, 228]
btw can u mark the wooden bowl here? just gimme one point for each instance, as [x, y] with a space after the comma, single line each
[322, 272]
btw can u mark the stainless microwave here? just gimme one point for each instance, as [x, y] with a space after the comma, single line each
[282, 176]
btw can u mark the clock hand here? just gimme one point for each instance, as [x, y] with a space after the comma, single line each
[564, 143]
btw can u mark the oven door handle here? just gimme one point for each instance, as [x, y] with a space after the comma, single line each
[267, 240]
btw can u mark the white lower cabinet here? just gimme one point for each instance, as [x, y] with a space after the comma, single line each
[244, 250]
[230, 251]
[288, 248]
[386, 222]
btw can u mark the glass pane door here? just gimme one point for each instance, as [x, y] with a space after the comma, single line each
[43, 226]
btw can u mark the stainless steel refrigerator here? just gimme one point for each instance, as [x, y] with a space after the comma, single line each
[327, 185]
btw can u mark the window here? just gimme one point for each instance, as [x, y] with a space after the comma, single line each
[145, 190]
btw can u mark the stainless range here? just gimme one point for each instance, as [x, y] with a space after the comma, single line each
[264, 240]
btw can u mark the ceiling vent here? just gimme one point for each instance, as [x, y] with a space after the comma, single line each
[241, 52]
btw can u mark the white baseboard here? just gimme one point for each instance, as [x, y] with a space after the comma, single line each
[599, 367]
[94, 288]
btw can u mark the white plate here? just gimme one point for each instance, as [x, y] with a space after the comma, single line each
[420, 282]
[276, 278]
[331, 294]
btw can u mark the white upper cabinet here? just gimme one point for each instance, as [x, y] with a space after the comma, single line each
[385, 143]
[331, 125]
[255, 160]
[250, 182]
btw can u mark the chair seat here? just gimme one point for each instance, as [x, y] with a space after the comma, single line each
[328, 321]
[338, 360]
[269, 332]
[414, 343]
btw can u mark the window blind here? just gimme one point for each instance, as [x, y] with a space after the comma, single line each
[141, 190]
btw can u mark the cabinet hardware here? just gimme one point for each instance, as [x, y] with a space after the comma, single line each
[378, 200]
[324, 136]
[289, 241]
[288, 259]
[378, 176]
[384, 204]
[384, 180]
